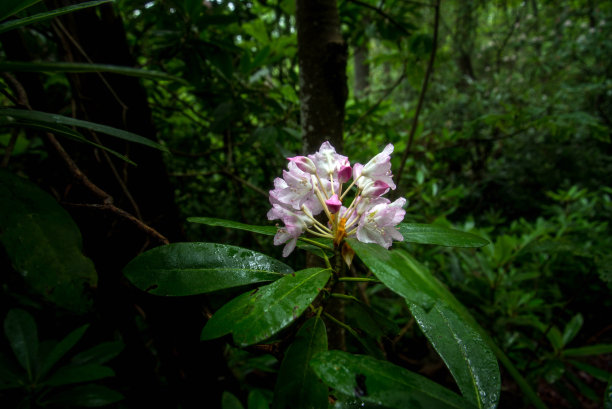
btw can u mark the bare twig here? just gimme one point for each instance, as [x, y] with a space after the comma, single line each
[82, 178]
[102, 78]
[122, 213]
[380, 100]
[430, 65]
[386, 16]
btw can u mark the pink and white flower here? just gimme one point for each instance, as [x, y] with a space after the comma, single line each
[314, 184]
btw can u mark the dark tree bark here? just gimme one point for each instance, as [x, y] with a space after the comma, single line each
[322, 55]
[176, 370]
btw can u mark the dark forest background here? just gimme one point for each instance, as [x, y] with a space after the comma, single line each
[500, 113]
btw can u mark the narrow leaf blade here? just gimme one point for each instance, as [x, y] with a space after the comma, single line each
[70, 67]
[77, 374]
[12, 24]
[211, 221]
[60, 349]
[89, 396]
[55, 119]
[599, 349]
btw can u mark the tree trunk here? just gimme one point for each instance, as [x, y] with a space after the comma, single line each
[322, 55]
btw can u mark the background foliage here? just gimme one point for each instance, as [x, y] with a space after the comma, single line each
[512, 143]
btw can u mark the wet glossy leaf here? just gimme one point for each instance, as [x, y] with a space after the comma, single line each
[464, 352]
[257, 315]
[20, 330]
[430, 234]
[44, 244]
[76, 374]
[60, 349]
[194, 268]
[211, 221]
[297, 386]
[89, 396]
[382, 383]
[447, 324]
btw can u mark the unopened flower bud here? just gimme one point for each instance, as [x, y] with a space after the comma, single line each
[333, 204]
[375, 189]
[344, 174]
[304, 164]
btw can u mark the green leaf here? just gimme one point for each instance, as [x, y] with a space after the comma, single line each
[99, 354]
[77, 374]
[59, 350]
[370, 321]
[44, 244]
[257, 315]
[12, 24]
[430, 234]
[11, 114]
[583, 388]
[63, 131]
[297, 386]
[447, 324]
[599, 349]
[229, 401]
[211, 221]
[194, 268]
[71, 67]
[11, 375]
[10, 7]
[555, 338]
[592, 370]
[20, 330]
[257, 400]
[464, 352]
[382, 383]
[572, 328]
[89, 396]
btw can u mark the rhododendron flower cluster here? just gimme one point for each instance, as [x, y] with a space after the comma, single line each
[313, 184]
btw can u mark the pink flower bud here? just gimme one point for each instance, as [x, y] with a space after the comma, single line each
[304, 164]
[333, 204]
[375, 189]
[344, 174]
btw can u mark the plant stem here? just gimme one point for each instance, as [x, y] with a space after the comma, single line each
[341, 324]
[360, 279]
[344, 297]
